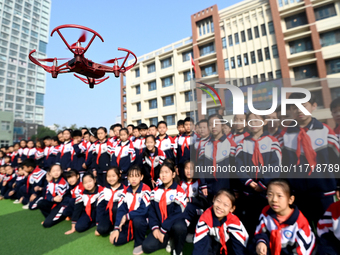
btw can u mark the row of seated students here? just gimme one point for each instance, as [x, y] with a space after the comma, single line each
[310, 142]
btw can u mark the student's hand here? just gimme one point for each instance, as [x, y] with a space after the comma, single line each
[253, 184]
[153, 184]
[161, 237]
[205, 192]
[176, 168]
[188, 200]
[36, 189]
[261, 248]
[237, 194]
[84, 166]
[94, 173]
[32, 197]
[4, 183]
[156, 233]
[72, 230]
[68, 169]
[258, 189]
[114, 236]
[338, 194]
[122, 222]
[14, 184]
[58, 199]
[11, 193]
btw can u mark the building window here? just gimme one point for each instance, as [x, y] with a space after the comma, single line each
[301, 45]
[256, 32]
[250, 34]
[243, 36]
[168, 100]
[39, 99]
[42, 46]
[239, 61]
[241, 82]
[170, 120]
[186, 55]
[317, 94]
[152, 85]
[259, 55]
[207, 49]
[205, 26]
[224, 43]
[263, 77]
[330, 38]
[187, 75]
[192, 115]
[208, 70]
[324, 12]
[237, 41]
[333, 66]
[305, 72]
[266, 53]
[139, 107]
[5, 125]
[263, 29]
[335, 92]
[211, 111]
[153, 104]
[137, 89]
[188, 96]
[167, 82]
[271, 27]
[275, 52]
[230, 40]
[151, 68]
[139, 122]
[248, 80]
[153, 121]
[226, 64]
[256, 79]
[245, 59]
[270, 76]
[166, 63]
[232, 62]
[137, 74]
[278, 74]
[253, 58]
[4, 143]
[296, 20]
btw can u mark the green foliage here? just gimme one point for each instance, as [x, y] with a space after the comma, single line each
[42, 132]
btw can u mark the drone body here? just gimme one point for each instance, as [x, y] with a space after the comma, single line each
[81, 65]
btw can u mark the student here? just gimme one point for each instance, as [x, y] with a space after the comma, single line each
[218, 230]
[2, 172]
[218, 152]
[256, 150]
[32, 191]
[166, 218]
[83, 131]
[77, 155]
[39, 154]
[29, 152]
[47, 151]
[114, 134]
[273, 127]
[23, 144]
[328, 231]
[282, 229]
[131, 220]
[180, 128]
[14, 158]
[123, 155]
[136, 133]
[76, 190]
[2, 158]
[335, 110]
[55, 150]
[139, 143]
[64, 156]
[90, 148]
[182, 146]
[310, 144]
[205, 137]
[108, 202]
[101, 156]
[130, 128]
[153, 130]
[153, 159]
[7, 182]
[56, 198]
[85, 208]
[19, 182]
[60, 136]
[239, 127]
[227, 129]
[165, 142]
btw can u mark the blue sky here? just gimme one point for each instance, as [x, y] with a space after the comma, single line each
[141, 26]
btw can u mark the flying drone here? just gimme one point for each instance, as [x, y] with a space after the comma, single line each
[92, 71]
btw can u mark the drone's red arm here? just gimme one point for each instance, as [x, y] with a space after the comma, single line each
[96, 81]
[35, 61]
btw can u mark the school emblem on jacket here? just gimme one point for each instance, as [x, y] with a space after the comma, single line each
[194, 190]
[263, 146]
[319, 142]
[139, 199]
[288, 234]
[225, 153]
[171, 197]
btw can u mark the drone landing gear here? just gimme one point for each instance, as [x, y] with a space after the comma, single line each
[91, 81]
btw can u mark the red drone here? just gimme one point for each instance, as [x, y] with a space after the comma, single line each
[81, 65]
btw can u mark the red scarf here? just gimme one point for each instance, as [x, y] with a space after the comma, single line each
[185, 144]
[13, 155]
[110, 205]
[257, 156]
[188, 188]
[275, 239]
[88, 206]
[214, 156]
[99, 153]
[48, 152]
[141, 145]
[28, 153]
[163, 206]
[62, 151]
[28, 178]
[222, 240]
[120, 154]
[72, 153]
[304, 140]
[152, 172]
[132, 207]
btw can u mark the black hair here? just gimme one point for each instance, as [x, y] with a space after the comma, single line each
[278, 109]
[103, 128]
[90, 174]
[135, 127]
[249, 113]
[87, 133]
[162, 122]
[117, 171]
[298, 95]
[77, 132]
[71, 173]
[215, 115]
[134, 168]
[69, 130]
[55, 138]
[29, 162]
[32, 142]
[228, 193]
[124, 129]
[115, 125]
[50, 168]
[146, 152]
[93, 132]
[47, 138]
[189, 162]
[42, 144]
[85, 129]
[335, 103]
[203, 121]
[180, 123]
[131, 125]
[188, 119]
[152, 126]
[171, 165]
[142, 126]
[16, 144]
[284, 184]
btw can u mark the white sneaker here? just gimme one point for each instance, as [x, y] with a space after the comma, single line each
[168, 247]
[174, 253]
[189, 238]
[16, 201]
[25, 207]
[137, 250]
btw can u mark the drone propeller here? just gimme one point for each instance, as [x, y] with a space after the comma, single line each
[81, 39]
[111, 61]
[51, 59]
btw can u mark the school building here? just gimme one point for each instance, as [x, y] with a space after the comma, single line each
[248, 43]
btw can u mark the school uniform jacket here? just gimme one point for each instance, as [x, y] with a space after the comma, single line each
[192, 190]
[54, 155]
[48, 160]
[182, 147]
[10, 179]
[238, 137]
[20, 181]
[87, 149]
[152, 164]
[56, 188]
[328, 225]
[141, 203]
[39, 156]
[176, 204]
[83, 200]
[123, 156]
[295, 233]
[101, 156]
[232, 233]
[36, 179]
[14, 159]
[269, 152]
[77, 190]
[77, 158]
[115, 141]
[28, 153]
[64, 155]
[139, 145]
[199, 146]
[326, 146]
[166, 145]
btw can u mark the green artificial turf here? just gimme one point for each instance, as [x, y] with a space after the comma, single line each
[21, 233]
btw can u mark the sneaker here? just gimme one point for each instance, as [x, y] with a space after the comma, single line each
[25, 207]
[137, 250]
[16, 201]
[174, 253]
[189, 238]
[168, 247]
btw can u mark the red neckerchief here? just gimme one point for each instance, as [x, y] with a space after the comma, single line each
[188, 188]
[160, 142]
[214, 155]
[28, 153]
[163, 205]
[275, 239]
[120, 154]
[304, 140]
[99, 152]
[28, 178]
[337, 130]
[110, 204]
[257, 157]
[222, 240]
[62, 151]
[48, 152]
[141, 144]
[132, 207]
[72, 154]
[13, 155]
[185, 144]
[88, 206]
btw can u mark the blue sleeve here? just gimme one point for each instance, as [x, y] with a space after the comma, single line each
[238, 247]
[94, 163]
[42, 183]
[142, 210]
[154, 222]
[58, 158]
[202, 246]
[114, 160]
[88, 162]
[78, 208]
[121, 211]
[49, 196]
[76, 148]
[239, 162]
[173, 216]
[274, 161]
[101, 208]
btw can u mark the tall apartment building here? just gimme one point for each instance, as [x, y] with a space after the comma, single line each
[248, 43]
[24, 27]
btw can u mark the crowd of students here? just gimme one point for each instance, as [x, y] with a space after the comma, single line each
[139, 184]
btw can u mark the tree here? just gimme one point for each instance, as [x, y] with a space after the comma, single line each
[42, 132]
